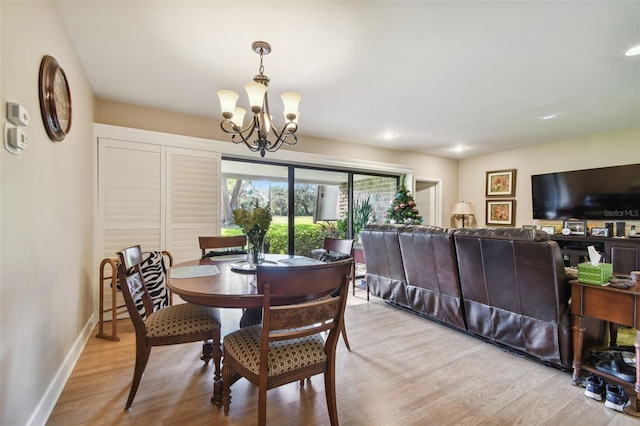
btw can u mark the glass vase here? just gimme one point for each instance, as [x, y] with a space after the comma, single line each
[255, 252]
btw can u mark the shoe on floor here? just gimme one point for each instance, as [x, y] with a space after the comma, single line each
[608, 354]
[617, 367]
[617, 398]
[594, 387]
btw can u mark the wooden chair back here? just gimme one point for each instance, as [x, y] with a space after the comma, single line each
[133, 286]
[314, 316]
[339, 245]
[221, 242]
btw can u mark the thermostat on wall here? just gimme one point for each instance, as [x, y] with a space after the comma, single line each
[17, 114]
[18, 138]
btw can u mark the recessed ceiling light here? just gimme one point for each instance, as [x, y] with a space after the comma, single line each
[635, 50]
[549, 117]
[459, 148]
[388, 136]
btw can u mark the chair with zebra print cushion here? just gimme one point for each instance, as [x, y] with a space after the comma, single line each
[154, 272]
[180, 323]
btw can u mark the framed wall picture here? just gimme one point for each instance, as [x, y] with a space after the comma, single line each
[576, 227]
[501, 183]
[599, 232]
[501, 212]
[548, 229]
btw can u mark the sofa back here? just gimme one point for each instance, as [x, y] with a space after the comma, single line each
[515, 290]
[431, 273]
[383, 259]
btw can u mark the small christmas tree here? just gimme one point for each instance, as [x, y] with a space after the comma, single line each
[403, 209]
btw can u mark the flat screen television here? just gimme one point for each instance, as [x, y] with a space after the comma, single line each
[607, 193]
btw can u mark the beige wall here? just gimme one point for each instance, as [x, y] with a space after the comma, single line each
[601, 150]
[424, 166]
[46, 280]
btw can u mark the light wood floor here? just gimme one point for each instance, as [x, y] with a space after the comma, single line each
[403, 370]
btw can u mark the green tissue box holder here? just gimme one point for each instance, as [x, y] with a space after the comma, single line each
[599, 275]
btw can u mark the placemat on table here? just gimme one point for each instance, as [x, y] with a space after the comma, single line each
[194, 271]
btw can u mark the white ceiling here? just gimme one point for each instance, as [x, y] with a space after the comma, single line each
[438, 74]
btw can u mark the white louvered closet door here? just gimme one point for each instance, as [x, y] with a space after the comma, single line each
[130, 195]
[130, 201]
[160, 197]
[193, 200]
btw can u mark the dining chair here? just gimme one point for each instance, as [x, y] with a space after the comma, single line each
[179, 323]
[338, 245]
[290, 345]
[344, 247]
[219, 242]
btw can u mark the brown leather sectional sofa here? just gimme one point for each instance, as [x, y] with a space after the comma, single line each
[504, 285]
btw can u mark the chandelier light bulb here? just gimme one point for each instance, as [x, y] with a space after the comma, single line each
[238, 116]
[292, 125]
[228, 99]
[291, 100]
[256, 92]
[635, 50]
[268, 119]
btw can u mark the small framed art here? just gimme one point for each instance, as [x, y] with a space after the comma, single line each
[548, 229]
[501, 183]
[576, 227]
[501, 212]
[599, 232]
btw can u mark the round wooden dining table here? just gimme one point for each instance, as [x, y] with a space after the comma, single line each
[226, 281]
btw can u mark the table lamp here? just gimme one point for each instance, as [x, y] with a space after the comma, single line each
[462, 209]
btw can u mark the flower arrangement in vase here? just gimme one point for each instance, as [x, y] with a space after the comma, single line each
[255, 223]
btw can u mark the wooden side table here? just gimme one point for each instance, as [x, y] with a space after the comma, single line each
[620, 306]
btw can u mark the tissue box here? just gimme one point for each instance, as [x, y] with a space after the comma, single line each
[589, 274]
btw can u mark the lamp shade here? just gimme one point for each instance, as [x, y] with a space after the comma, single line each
[462, 208]
[290, 101]
[228, 99]
[290, 125]
[256, 92]
[238, 116]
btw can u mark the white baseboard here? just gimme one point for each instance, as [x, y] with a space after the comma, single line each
[45, 406]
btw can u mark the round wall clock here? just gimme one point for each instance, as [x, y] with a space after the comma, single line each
[55, 99]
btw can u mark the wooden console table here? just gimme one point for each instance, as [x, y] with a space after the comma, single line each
[623, 253]
[620, 306]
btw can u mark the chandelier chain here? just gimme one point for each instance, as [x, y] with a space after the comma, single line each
[261, 69]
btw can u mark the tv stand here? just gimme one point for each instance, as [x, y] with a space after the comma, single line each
[623, 253]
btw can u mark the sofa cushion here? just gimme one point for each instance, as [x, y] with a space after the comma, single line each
[504, 233]
[431, 272]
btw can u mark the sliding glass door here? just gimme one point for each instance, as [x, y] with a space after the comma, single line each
[243, 185]
[320, 207]
[308, 204]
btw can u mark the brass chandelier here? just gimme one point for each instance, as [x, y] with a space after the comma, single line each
[261, 125]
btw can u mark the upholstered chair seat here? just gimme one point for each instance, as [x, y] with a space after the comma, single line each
[284, 356]
[181, 319]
